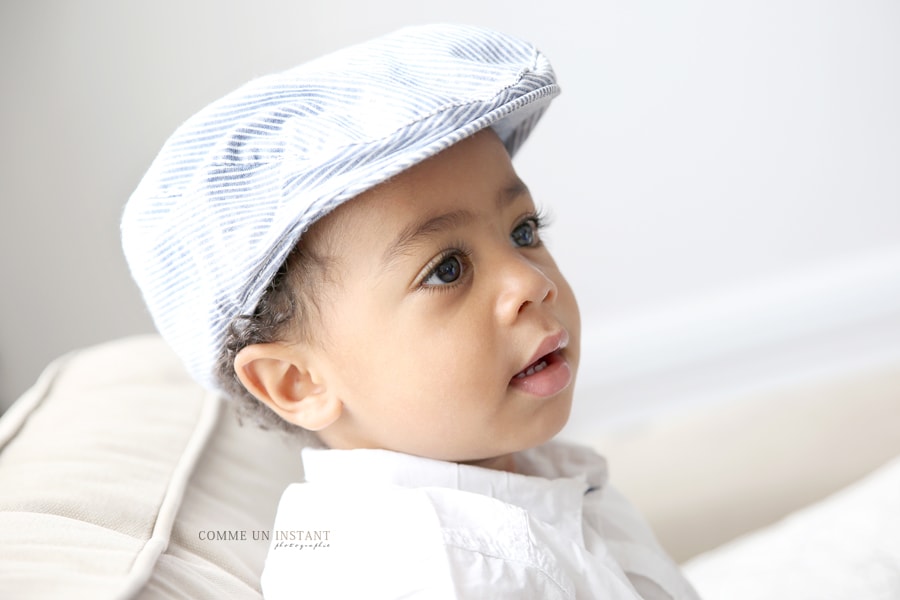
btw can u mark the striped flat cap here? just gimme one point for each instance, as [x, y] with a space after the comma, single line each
[234, 188]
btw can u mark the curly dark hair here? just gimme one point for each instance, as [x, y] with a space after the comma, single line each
[288, 308]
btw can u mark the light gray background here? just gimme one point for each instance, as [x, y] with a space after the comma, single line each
[725, 176]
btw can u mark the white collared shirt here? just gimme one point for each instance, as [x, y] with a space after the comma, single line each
[373, 524]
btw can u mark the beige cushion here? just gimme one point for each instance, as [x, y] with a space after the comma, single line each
[113, 465]
[708, 476]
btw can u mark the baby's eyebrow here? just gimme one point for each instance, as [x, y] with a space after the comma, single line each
[511, 193]
[413, 233]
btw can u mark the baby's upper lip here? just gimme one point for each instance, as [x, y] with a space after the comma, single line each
[551, 343]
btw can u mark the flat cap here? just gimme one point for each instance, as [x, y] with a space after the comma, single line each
[235, 187]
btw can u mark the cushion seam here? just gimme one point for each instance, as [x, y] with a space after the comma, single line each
[145, 561]
[20, 411]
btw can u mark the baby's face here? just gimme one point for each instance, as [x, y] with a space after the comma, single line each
[450, 332]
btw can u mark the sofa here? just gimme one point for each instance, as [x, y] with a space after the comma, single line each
[122, 478]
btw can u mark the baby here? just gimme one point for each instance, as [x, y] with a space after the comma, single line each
[346, 249]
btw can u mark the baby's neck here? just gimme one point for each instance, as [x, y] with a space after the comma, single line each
[507, 462]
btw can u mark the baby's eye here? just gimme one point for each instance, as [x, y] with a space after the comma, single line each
[525, 234]
[449, 270]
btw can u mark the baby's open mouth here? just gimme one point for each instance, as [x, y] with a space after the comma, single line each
[545, 377]
[548, 373]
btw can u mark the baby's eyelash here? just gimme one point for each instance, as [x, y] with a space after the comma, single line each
[535, 221]
[457, 250]
[541, 218]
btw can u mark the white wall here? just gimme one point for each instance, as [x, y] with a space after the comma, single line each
[725, 176]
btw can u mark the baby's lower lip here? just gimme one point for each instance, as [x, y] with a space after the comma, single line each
[551, 376]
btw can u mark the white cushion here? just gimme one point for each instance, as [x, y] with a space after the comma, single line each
[845, 547]
[113, 467]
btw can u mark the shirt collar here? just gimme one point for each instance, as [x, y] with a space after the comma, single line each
[557, 501]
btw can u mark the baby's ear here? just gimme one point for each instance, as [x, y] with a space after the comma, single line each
[279, 375]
